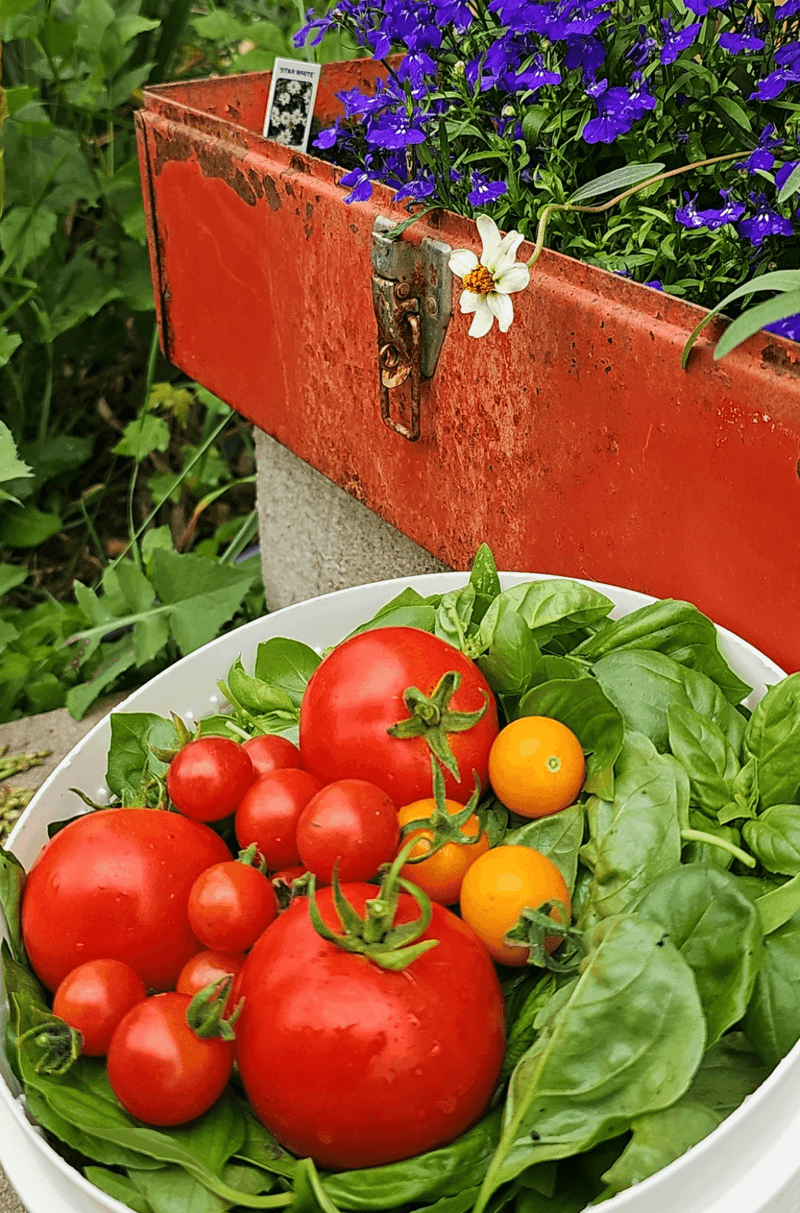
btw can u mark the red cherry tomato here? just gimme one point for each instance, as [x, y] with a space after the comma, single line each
[114, 884]
[208, 777]
[354, 1065]
[271, 752]
[351, 824]
[93, 999]
[269, 812]
[208, 966]
[356, 694]
[229, 905]
[159, 1069]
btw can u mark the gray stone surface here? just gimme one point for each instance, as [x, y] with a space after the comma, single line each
[315, 538]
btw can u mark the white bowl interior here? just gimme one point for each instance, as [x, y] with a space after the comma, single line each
[749, 1165]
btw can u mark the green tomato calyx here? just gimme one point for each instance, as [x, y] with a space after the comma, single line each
[446, 827]
[60, 1044]
[432, 719]
[375, 935]
[205, 1014]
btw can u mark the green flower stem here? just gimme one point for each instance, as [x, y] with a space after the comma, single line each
[605, 206]
[713, 841]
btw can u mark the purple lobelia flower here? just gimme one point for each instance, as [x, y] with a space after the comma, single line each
[762, 158]
[701, 8]
[395, 130]
[746, 40]
[788, 327]
[484, 192]
[687, 215]
[730, 212]
[787, 72]
[764, 223]
[359, 183]
[676, 41]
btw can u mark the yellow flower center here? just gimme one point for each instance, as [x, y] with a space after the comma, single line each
[479, 281]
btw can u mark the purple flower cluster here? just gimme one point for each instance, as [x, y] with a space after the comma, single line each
[508, 104]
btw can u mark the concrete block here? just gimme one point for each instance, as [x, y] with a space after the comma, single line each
[315, 538]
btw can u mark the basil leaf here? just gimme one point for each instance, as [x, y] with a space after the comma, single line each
[12, 878]
[643, 685]
[454, 616]
[772, 737]
[774, 839]
[514, 661]
[130, 759]
[675, 628]
[550, 607]
[635, 837]
[581, 705]
[286, 665]
[408, 609]
[636, 999]
[717, 930]
[119, 1187]
[485, 582]
[772, 1022]
[705, 753]
[558, 836]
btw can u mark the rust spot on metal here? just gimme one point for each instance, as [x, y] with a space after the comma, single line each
[352, 485]
[287, 185]
[780, 361]
[234, 112]
[309, 212]
[222, 160]
[308, 230]
[271, 194]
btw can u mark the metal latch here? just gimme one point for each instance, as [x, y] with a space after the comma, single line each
[412, 296]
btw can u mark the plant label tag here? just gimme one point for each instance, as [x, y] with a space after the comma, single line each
[291, 102]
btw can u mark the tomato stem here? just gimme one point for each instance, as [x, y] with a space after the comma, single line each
[445, 827]
[61, 1045]
[432, 719]
[374, 935]
[205, 1014]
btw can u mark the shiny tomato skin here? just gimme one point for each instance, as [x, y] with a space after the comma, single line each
[356, 694]
[354, 1065]
[93, 999]
[230, 904]
[269, 811]
[114, 883]
[271, 752]
[441, 875]
[159, 1070]
[350, 824]
[208, 777]
[208, 966]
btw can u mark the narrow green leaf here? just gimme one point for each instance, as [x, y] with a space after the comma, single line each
[778, 280]
[620, 179]
[755, 319]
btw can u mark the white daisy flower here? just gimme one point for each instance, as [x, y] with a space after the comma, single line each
[488, 282]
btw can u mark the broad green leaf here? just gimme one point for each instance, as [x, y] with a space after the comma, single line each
[643, 685]
[117, 1186]
[286, 664]
[12, 879]
[116, 658]
[635, 837]
[11, 466]
[728, 1073]
[514, 660]
[11, 575]
[256, 696]
[143, 436]
[636, 1000]
[552, 606]
[774, 838]
[202, 594]
[772, 737]
[25, 526]
[9, 342]
[558, 836]
[617, 181]
[129, 754]
[25, 234]
[706, 755]
[717, 930]
[675, 628]
[772, 1022]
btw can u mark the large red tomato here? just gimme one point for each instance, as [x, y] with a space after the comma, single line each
[356, 694]
[354, 1065]
[114, 884]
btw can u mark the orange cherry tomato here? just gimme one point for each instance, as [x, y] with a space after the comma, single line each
[441, 875]
[499, 885]
[536, 766]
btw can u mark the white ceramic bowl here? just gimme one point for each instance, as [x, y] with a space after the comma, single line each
[750, 1164]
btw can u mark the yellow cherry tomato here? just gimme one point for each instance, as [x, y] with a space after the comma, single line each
[499, 885]
[536, 766]
[441, 875]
